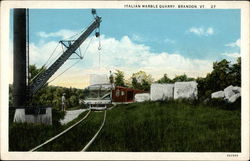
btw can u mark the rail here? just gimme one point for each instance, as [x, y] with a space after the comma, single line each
[94, 137]
[63, 132]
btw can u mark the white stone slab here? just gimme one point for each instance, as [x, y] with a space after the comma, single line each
[237, 89]
[21, 117]
[141, 97]
[98, 79]
[161, 91]
[233, 98]
[219, 94]
[229, 92]
[186, 90]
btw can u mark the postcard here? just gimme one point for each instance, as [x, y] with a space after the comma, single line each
[125, 80]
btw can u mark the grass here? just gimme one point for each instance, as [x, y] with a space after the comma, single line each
[170, 127]
[173, 126]
[24, 136]
[78, 137]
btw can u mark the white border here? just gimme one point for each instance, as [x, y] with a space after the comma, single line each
[4, 59]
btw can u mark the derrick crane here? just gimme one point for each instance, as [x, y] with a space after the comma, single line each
[43, 77]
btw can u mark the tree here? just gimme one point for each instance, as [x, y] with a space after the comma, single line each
[224, 74]
[73, 101]
[165, 79]
[236, 72]
[141, 80]
[119, 78]
[51, 95]
[34, 71]
[182, 78]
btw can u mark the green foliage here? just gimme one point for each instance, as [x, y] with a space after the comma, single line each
[24, 136]
[34, 71]
[223, 75]
[76, 139]
[173, 126]
[10, 95]
[178, 78]
[57, 115]
[119, 78]
[220, 102]
[51, 95]
[165, 79]
[141, 80]
[182, 78]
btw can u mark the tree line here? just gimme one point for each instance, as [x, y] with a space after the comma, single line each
[50, 95]
[224, 73]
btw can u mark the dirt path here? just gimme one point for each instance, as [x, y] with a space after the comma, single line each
[71, 115]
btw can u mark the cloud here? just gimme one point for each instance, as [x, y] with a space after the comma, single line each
[138, 38]
[123, 54]
[64, 34]
[39, 54]
[201, 31]
[234, 44]
[231, 55]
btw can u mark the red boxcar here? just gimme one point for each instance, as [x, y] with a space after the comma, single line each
[123, 94]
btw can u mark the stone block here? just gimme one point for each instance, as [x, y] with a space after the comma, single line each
[233, 98]
[185, 90]
[21, 117]
[219, 94]
[98, 79]
[237, 89]
[228, 92]
[141, 97]
[160, 91]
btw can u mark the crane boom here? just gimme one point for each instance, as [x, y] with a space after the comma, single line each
[41, 79]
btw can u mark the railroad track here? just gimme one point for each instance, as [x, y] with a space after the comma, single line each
[84, 148]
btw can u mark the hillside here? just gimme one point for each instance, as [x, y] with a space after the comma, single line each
[173, 126]
[170, 127]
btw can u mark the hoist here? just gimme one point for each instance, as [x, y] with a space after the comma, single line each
[23, 90]
[71, 47]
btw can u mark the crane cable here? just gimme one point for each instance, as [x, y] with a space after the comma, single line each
[99, 50]
[47, 61]
[65, 71]
[74, 63]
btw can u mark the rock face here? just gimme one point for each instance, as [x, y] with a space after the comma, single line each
[186, 90]
[230, 94]
[219, 94]
[161, 91]
[141, 97]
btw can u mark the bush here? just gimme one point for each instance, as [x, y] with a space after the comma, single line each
[57, 115]
[223, 104]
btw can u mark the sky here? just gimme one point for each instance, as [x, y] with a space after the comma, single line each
[157, 41]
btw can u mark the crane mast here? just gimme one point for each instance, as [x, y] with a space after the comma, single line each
[42, 78]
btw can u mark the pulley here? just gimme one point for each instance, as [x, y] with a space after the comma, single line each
[93, 11]
[97, 34]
